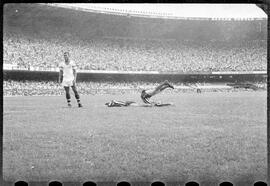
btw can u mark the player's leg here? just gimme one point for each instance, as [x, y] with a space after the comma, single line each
[67, 96]
[166, 84]
[159, 88]
[147, 94]
[76, 95]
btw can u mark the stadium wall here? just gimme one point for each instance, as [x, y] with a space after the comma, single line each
[22, 75]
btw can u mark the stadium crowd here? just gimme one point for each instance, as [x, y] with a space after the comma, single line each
[29, 88]
[50, 88]
[134, 54]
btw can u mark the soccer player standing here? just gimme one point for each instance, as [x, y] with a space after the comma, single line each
[67, 77]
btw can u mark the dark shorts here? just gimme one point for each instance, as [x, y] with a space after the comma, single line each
[145, 97]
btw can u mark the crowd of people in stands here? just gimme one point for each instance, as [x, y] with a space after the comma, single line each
[135, 54]
[29, 88]
[49, 88]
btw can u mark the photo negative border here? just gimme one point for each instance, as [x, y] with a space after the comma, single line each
[263, 4]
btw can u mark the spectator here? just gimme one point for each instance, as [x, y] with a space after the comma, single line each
[135, 55]
[46, 88]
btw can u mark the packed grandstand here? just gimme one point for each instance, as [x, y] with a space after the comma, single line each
[35, 37]
[50, 88]
[99, 46]
[136, 55]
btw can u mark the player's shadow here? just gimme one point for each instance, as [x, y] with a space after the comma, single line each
[70, 108]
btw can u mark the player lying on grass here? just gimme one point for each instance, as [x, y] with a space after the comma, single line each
[115, 103]
[147, 94]
[67, 77]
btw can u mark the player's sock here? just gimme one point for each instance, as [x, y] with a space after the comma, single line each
[79, 105]
[168, 84]
[76, 95]
[171, 86]
[67, 96]
[79, 102]
[78, 99]
[69, 104]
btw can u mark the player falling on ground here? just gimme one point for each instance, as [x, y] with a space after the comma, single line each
[147, 94]
[115, 103]
[67, 77]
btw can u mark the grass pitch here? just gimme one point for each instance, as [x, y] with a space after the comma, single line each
[210, 136]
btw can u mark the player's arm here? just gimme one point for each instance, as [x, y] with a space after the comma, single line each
[60, 78]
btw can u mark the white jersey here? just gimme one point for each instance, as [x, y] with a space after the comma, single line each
[68, 70]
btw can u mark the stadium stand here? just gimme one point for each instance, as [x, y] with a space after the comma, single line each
[35, 37]
[50, 88]
[136, 54]
[112, 42]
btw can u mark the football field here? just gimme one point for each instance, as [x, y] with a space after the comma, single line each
[214, 136]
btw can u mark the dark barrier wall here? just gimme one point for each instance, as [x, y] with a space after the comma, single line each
[121, 77]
